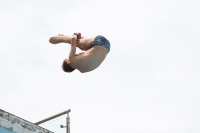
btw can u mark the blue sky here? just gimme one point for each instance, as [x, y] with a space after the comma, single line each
[149, 82]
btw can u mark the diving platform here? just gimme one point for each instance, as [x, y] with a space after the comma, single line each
[10, 123]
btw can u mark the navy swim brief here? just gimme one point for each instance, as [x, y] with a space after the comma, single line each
[101, 41]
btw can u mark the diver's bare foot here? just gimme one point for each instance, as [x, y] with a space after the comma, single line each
[56, 39]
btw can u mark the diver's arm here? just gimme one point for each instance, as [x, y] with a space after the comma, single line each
[72, 57]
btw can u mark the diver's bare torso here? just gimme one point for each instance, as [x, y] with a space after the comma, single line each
[91, 59]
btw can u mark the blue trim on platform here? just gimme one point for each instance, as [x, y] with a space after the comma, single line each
[4, 130]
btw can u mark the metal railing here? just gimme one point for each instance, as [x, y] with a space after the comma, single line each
[57, 115]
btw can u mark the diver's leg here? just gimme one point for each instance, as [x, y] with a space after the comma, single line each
[84, 43]
[60, 38]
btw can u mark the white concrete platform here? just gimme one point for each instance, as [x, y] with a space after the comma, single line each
[10, 123]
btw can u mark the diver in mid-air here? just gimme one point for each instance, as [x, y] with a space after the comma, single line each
[96, 49]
